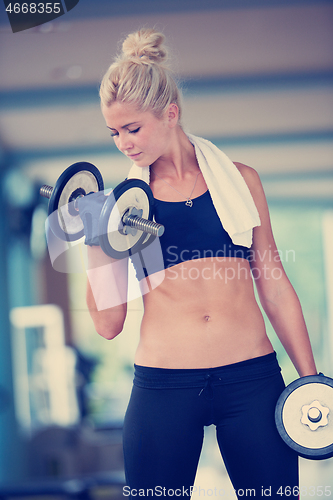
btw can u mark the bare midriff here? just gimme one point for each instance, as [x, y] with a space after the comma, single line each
[204, 314]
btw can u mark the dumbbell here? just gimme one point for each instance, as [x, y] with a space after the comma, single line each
[125, 223]
[304, 416]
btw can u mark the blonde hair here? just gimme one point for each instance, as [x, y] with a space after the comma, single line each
[140, 75]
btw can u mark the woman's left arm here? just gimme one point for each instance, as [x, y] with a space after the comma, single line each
[277, 296]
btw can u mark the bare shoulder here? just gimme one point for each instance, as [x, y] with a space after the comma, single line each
[250, 175]
[254, 184]
[251, 178]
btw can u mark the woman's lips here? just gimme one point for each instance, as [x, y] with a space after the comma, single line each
[133, 157]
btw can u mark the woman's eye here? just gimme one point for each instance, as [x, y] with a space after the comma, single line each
[115, 134]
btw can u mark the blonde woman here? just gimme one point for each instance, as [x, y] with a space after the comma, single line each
[204, 357]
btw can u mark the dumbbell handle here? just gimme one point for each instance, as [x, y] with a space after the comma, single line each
[46, 191]
[145, 225]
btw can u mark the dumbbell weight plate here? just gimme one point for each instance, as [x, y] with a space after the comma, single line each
[129, 193]
[80, 178]
[310, 440]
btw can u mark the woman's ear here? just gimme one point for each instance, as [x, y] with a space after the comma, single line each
[172, 115]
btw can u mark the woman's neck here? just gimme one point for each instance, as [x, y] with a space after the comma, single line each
[179, 159]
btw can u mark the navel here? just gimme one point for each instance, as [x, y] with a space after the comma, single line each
[207, 318]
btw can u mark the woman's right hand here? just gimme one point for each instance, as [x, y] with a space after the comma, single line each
[90, 207]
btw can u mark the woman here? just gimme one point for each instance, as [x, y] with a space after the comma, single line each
[204, 356]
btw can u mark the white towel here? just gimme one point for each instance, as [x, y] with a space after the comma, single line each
[230, 195]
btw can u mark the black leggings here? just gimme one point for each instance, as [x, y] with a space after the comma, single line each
[165, 420]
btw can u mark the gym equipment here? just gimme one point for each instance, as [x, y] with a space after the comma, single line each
[77, 180]
[303, 416]
[126, 218]
[125, 223]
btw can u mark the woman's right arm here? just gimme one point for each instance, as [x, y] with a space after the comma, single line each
[107, 292]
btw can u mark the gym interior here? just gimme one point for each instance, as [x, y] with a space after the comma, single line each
[257, 80]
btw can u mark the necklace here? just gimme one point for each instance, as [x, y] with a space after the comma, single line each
[188, 202]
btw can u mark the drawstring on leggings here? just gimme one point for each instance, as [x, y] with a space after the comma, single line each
[208, 387]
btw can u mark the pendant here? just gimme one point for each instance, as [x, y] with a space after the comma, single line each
[189, 203]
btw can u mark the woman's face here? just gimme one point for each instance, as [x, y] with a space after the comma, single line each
[139, 134]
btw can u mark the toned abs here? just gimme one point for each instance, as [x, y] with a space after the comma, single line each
[203, 314]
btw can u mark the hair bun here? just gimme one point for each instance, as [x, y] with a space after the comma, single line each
[140, 76]
[145, 45]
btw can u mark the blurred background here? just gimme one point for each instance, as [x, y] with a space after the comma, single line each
[257, 79]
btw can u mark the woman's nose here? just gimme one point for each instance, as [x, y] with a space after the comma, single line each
[124, 143]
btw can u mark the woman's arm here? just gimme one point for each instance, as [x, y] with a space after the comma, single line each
[276, 294]
[107, 292]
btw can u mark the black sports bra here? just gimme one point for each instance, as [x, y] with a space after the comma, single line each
[190, 233]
